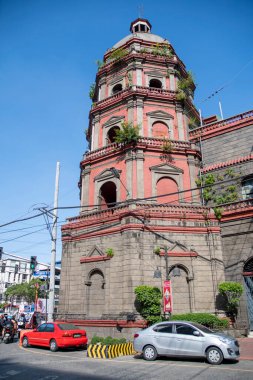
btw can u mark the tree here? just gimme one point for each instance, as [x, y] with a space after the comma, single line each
[27, 291]
[232, 292]
[149, 303]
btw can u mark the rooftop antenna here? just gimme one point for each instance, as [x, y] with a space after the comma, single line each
[221, 113]
[140, 10]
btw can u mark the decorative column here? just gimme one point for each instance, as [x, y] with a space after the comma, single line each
[85, 178]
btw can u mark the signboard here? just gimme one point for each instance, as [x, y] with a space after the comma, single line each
[167, 297]
[41, 273]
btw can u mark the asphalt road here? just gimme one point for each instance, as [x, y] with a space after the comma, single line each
[17, 363]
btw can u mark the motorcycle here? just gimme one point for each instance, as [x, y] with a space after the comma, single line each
[21, 326]
[8, 335]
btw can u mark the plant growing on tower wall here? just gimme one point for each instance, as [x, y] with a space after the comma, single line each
[128, 134]
[216, 192]
[167, 146]
[185, 86]
[109, 252]
[92, 91]
[118, 54]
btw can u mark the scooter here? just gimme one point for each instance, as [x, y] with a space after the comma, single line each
[8, 335]
[21, 326]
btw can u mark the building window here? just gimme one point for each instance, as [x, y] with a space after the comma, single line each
[167, 186]
[112, 134]
[117, 88]
[155, 83]
[247, 188]
[23, 266]
[107, 195]
[160, 129]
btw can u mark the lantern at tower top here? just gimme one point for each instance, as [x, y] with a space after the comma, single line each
[140, 25]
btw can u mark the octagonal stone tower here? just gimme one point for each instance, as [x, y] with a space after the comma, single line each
[138, 192]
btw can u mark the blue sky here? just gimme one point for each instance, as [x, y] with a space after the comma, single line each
[47, 63]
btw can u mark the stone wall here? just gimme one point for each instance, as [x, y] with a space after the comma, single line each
[103, 288]
[227, 146]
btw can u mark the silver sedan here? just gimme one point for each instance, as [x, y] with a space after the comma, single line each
[180, 338]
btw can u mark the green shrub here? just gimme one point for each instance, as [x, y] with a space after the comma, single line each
[232, 292]
[205, 319]
[149, 303]
[108, 340]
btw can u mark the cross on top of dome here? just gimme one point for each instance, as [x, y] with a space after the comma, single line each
[140, 25]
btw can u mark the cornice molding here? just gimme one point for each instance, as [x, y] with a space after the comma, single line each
[222, 165]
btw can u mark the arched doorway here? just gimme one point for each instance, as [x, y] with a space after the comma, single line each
[107, 195]
[180, 291]
[248, 282]
[168, 186]
[96, 294]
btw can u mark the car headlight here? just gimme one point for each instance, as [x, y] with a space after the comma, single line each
[225, 340]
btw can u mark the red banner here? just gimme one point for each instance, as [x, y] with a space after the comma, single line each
[167, 297]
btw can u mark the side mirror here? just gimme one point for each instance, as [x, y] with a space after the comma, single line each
[196, 333]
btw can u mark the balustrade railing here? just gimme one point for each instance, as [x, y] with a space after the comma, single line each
[134, 89]
[180, 209]
[143, 141]
[221, 123]
[244, 204]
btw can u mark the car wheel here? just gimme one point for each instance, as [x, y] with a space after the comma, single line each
[214, 355]
[149, 353]
[25, 342]
[53, 345]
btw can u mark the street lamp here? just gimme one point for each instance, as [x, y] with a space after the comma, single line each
[167, 305]
[175, 272]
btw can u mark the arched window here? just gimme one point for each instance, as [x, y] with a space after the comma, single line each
[107, 195]
[160, 129]
[117, 88]
[155, 83]
[180, 291]
[112, 134]
[248, 267]
[168, 186]
[96, 291]
[247, 187]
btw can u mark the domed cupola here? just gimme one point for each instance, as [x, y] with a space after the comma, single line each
[140, 25]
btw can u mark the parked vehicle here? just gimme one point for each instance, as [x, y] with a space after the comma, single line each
[8, 334]
[56, 335]
[185, 339]
[36, 319]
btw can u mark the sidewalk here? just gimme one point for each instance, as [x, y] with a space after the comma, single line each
[246, 348]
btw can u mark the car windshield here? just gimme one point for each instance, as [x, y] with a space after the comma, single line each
[67, 326]
[202, 328]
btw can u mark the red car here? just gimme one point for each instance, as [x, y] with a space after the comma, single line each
[55, 335]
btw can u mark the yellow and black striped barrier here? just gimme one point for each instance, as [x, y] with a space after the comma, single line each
[102, 351]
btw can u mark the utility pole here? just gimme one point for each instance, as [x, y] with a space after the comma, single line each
[53, 250]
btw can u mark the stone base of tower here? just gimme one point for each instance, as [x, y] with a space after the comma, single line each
[108, 253]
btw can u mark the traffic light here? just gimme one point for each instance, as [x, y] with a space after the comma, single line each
[33, 263]
[16, 268]
[1, 252]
